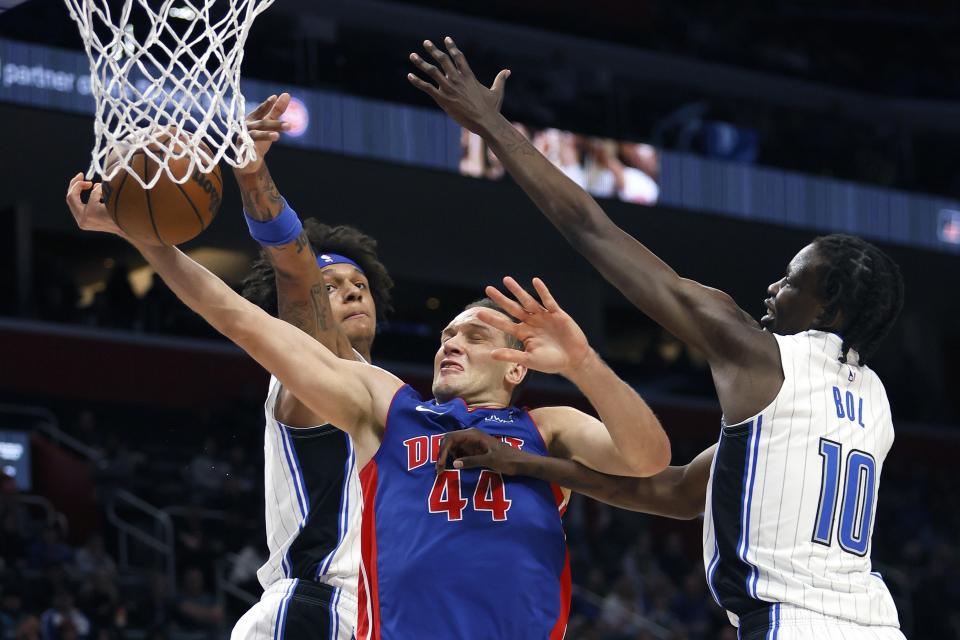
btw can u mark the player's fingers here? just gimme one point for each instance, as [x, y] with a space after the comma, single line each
[279, 105]
[457, 56]
[500, 83]
[511, 355]
[264, 136]
[527, 301]
[426, 87]
[509, 305]
[443, 59]
[267, 124]
[76, 186]
[425, 67]
[549, 303]
[263, 108]
[472, 462]
[97, 192]
[498, 321]
[445, 445]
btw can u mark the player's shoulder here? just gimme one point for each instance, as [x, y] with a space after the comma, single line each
[551, 420]
[555, 414]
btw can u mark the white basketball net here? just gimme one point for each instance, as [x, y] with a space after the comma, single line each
[166, 78]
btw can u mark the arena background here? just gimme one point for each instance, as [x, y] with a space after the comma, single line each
[131, 435]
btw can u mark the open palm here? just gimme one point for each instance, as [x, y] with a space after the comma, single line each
[552, 341]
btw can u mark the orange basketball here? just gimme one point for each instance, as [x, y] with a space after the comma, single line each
[170, 213]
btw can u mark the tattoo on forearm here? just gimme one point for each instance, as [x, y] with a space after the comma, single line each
[300, 244]
[310, 315]
[261, 199]
[321, 304]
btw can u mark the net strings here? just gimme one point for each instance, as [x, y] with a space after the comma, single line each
[169, 89]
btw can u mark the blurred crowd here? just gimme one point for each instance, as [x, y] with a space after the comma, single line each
[636, 577]
[606, 168]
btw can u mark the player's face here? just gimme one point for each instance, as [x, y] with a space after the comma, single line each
[350, 302]
[463, 367]
[794, 304]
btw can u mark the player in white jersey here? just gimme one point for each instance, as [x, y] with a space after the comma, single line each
[328, 282]
[792, 490]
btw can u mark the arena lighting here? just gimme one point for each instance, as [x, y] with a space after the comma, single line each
[298, 116]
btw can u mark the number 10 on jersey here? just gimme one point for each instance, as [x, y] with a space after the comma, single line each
[857, 502]
[489, 495]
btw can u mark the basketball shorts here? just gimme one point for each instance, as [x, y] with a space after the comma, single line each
[299, 610]
[786, 622]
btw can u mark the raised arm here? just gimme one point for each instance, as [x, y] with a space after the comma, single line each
[301, 293]
[352, 395]
[633, 442]
[702, 317]
[676, 492]
[302, 298]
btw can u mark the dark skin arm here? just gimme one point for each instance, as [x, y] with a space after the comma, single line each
[675, 492]
[302, 298]
[744, 359]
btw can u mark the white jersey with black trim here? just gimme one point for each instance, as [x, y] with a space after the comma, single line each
[793, 492]
[312, 503]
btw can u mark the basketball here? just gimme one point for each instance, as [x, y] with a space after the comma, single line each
[170, 213]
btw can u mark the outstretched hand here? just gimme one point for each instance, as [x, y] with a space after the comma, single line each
[472, 448]
[457, 90]
[552, 341]
[264, 126]
[92, 215]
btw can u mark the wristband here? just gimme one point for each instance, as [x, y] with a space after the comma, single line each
[283, 229]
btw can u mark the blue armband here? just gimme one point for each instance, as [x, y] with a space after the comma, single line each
[283, 229]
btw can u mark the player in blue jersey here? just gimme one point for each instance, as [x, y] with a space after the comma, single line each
[465, 555]
[791, 497]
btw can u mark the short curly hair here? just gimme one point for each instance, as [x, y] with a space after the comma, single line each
[260, 287]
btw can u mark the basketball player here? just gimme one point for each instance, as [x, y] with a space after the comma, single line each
[790, 502]
[457, 554]
[328, 282]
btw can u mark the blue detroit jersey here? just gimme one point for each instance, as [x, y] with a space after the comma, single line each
[467, 554]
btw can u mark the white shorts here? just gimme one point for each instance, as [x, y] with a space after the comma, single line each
[787, 622]
[299, 610]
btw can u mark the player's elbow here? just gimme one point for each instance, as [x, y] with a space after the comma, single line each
[652, 457]
[688, 509]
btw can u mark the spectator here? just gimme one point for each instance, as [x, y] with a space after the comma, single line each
[689, 606]
[620, 607]
[63, 621]
[100, 598]
[153, 611]
[206, 470]
[93, 559]
[10, 506]
[28, 629]
[13, 544]
[196, 609]
[117, 305]
[48, 550]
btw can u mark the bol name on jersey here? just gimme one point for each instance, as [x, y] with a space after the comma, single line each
[465, 554]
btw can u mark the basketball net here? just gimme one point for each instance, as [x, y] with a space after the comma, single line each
[165, 75]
